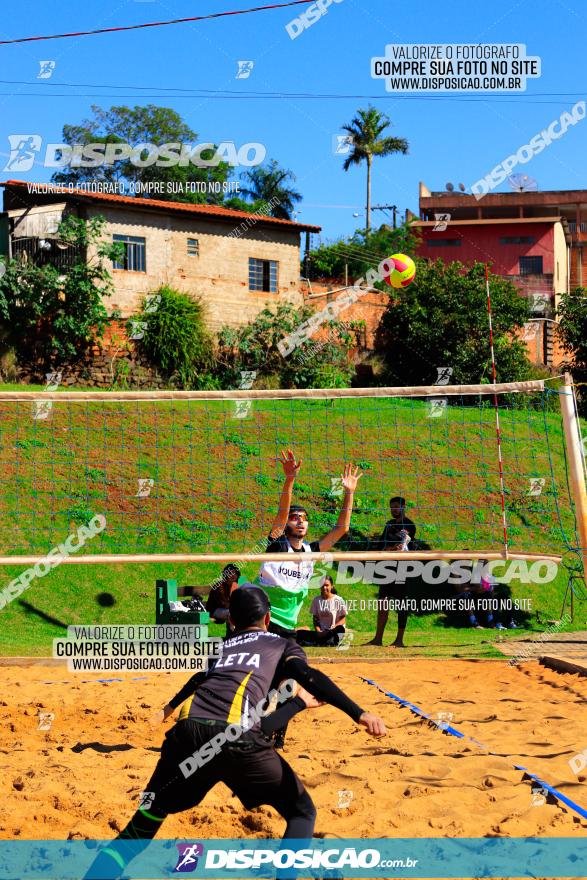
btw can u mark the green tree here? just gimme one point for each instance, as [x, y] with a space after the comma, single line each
[360, 252]
[269, 185]
[572, 332]
[55, 316]
[320, 362]
[141, 125]
[440, 320]
[366, 129]
[175, 337]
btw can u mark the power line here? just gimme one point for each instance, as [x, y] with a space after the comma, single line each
[273, 95]
[135, 27]
[240, 92]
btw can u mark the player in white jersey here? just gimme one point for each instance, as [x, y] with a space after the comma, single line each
[287, 582]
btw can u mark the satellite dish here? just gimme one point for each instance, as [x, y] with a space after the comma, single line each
[462, 187]
[450, 187]
[522, 183]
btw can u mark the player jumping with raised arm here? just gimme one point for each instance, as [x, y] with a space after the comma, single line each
[286, 583]
[253, 662]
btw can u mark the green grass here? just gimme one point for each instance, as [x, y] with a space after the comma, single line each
[216, 487]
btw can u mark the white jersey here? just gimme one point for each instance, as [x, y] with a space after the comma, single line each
[293, 577]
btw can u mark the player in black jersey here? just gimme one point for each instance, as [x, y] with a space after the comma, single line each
[201, 749]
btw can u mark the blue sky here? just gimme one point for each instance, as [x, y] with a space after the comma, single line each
[450, 140]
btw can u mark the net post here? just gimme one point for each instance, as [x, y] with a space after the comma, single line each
[575, 458]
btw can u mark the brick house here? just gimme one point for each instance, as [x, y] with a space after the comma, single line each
[535, 239]
[234, 261]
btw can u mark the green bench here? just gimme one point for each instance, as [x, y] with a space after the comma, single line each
[166, 591]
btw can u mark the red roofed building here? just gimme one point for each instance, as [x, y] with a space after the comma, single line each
[234, 261]
[536, 239]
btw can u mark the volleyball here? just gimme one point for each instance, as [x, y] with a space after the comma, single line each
[404, 271]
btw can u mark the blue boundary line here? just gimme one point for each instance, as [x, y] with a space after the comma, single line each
[459, 735]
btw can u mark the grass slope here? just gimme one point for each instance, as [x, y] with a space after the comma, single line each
[216, 483]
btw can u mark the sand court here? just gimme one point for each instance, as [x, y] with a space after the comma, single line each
[82, 777]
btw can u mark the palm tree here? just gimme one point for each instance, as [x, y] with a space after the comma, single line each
[365, 131]
[268, 184]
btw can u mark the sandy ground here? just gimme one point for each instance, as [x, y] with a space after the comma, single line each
[82, 778]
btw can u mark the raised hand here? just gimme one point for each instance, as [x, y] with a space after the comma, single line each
[289, 463]
[350, 477]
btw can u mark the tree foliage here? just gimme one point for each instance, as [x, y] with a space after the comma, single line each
[268, 185]
[175, 338]
[362, 251]
[572, 333]
[365, 131]
[441, 320]
[141, 125]
[317, 363]
[56, 316]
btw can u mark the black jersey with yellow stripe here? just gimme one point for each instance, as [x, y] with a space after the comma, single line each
[252, 663]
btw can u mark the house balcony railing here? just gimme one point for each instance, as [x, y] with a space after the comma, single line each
[46, 252]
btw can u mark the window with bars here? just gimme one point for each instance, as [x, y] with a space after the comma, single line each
[531, 266]
[134, 256]
[193, 247]
[444, 242]
[263, 275]
[517, 239]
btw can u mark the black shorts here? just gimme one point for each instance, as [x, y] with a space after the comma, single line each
[249, 767]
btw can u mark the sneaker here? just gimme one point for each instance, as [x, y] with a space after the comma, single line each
[499, 626]
[512, 625]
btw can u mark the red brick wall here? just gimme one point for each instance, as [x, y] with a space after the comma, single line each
[369, 308]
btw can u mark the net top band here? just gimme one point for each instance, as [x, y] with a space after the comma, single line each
[283, 394]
